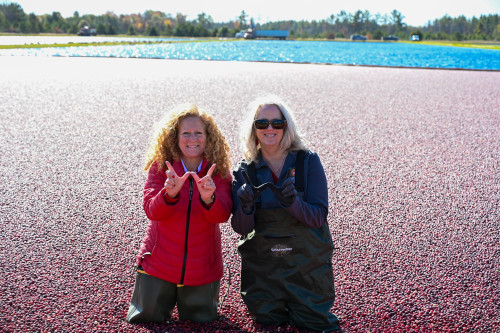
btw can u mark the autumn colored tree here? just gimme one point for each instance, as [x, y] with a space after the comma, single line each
[341, 25]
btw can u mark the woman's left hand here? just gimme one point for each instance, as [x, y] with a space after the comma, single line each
[286, 193]
[206, 185]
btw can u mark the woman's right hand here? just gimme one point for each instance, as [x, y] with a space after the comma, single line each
[174, 183]
[246, 195]
[248, 192]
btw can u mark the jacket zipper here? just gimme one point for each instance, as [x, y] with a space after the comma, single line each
[187, 230]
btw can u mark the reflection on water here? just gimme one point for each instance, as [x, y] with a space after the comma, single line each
[349, 53]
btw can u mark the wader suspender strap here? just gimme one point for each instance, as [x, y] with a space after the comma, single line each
[299, 173]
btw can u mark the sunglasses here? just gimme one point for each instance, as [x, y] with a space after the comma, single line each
[264, 123]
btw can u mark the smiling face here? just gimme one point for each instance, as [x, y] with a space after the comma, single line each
[269, 138]
[192, 139]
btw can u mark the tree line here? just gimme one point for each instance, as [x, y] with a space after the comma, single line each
[155, 23]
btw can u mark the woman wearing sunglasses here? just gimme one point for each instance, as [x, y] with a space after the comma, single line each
[280, 196]
[186, 196]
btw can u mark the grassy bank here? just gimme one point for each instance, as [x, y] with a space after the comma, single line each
[72, 44]
[469, 44]
[472, 44]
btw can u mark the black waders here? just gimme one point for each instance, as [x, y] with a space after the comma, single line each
[286, 272]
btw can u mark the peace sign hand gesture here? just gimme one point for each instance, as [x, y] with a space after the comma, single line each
[174, 183]
[206, 185]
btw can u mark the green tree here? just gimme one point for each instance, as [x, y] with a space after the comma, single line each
[397, 19]
[34, 24]
[13, 13]
[486, 27]
[111, 30]
[57, 17]
[152, 31]
[3, 21]
[242, 19]
[23, 26]
[377, 34]
[169, 31]
[205, 21]
[223, 32]
[331, 19]
[73, 29]
[199, 31]
[458, 36]
[357, 22]
[184, 30]
[233, 32]
[101, 29]
[180, 18]
[479, 28]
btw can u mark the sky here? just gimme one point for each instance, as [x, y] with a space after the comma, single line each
[416, 13]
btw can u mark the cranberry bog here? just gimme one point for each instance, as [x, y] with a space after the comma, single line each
[411, 156]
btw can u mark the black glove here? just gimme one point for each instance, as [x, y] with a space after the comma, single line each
[286, 193]
[246, 196]
[248, 192]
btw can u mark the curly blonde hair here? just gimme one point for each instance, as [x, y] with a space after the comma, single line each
[165, 143]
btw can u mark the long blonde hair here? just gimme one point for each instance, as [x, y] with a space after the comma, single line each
[164, 144]
[292, 138]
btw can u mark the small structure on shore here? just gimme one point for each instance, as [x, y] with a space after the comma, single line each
[86, 31]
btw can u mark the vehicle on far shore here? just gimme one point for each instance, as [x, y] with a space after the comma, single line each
[415, 38]
[240, 34]
[390, 37]
[86, 31]
[358, 37]
[254, 33]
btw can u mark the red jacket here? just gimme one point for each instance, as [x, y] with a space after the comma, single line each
[163, 251]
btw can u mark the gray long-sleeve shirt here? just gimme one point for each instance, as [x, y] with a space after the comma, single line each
[311, 210]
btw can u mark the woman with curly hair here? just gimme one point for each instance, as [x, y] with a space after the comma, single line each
[186, 196]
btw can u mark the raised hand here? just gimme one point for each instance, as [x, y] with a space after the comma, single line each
[246, 196]
[248, 192]
[286, 193]
[256, 189]
[206, 185]
[174, 183]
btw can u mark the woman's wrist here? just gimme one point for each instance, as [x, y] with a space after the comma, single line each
[169, 200]
[209, 201]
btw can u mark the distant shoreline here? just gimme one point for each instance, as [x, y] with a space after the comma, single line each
[468, 44]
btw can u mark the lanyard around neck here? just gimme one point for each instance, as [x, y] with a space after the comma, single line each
[186, 170]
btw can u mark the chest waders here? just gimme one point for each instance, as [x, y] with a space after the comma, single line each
[286, 272]
[154, 299]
